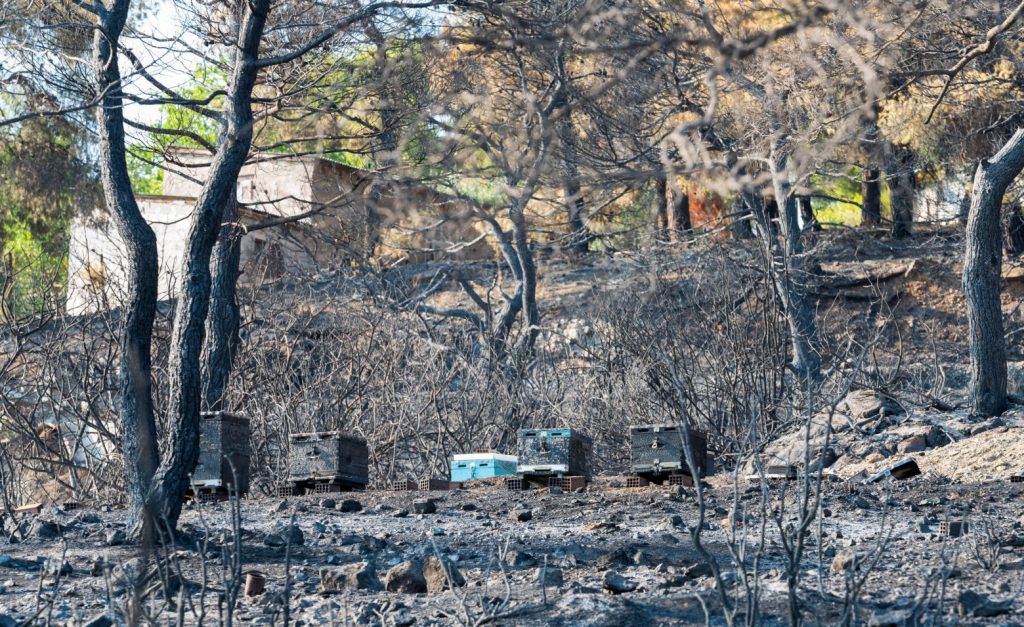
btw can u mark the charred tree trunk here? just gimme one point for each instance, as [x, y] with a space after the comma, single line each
[982, 269]
[187, 338]
[579, 234]
[1013, 231]
[871, 197]
[224, 319]
[661, 186]
[679, 219]
[138, 426]
[902, 186]
[789, 274]
[528, 269]
[965, 207]
[742, 215]
[385, 155]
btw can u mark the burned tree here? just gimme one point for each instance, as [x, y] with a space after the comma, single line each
[982, 268]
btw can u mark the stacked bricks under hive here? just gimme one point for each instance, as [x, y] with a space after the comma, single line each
[553, 452]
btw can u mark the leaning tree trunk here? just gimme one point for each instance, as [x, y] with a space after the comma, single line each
[138, 426]
[901, 191]
[871, 198]
[982, 268]
[224, 318]
[188, 335]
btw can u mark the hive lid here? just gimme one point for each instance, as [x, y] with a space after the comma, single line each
[471, 457]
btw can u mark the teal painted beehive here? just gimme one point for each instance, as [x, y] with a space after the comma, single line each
[469, 466]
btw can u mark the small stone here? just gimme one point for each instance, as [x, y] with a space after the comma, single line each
[115, 537]
[522, 515]
[698, 570]
[328, 503]
[844, 561]
[291, 534]
[913, 444]
[554, 490]
[615, 583]
[424, 506]
[358, 576]
[520, 559]
[401, 513]
[58, 568]
[349, 506]
[46, 530]
[280, 507]
[406, 577]
[468, 507]
[434, 572]
[549, 577]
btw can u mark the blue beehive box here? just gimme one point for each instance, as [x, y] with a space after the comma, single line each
[469, 466]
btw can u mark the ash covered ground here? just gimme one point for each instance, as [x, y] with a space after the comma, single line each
[606, 556]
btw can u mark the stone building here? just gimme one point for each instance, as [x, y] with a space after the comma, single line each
[324, 215]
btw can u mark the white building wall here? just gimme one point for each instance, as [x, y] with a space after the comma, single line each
[97, 272]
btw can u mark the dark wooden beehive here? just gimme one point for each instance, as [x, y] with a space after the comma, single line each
[328, 456]
[223, 453]
[658, 449]
[553, 452]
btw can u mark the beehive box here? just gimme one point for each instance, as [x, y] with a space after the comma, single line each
[328, 456]
[658, 449]
[223, 452]
[469, 466]
[553, 452]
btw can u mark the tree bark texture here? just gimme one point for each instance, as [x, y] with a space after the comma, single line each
[188, 335]
[224, 318]
[661, 188]
[679, 219]
[1013, 231]
[138, 426]
[982, 268]
[902, 189]
[576, 205]
[871, 197]
[789, 274]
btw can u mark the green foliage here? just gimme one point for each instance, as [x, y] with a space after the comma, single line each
[33, 278]
[44, 179]
[145, 160]
[831, 213]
